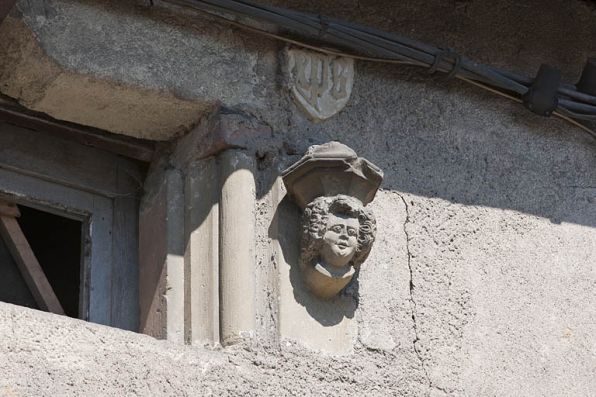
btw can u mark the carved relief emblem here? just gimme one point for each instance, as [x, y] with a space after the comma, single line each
[321, 83]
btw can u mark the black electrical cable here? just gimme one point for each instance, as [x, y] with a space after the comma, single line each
[289, 19]
[387, 47]
[564, 89]
[474, 70]
[567, 112]
[576, 106]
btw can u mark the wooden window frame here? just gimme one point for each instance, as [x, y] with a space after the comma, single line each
[98, 188]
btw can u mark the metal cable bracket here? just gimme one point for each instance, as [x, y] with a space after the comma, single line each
[324, 25]
[449, 53]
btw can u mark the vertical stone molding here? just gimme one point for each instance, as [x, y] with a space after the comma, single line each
[197, 235]
[237, 241]
[201, 258]
[161, 259]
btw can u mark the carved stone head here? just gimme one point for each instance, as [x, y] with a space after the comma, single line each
[333, 185]
[337, 236]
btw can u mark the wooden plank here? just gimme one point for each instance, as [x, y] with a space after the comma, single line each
[13, 288]
[100, 279]
[28, 265]
[9, 209]
[125, 242]
[67, 163]
[139, 149]
[85, 283]
[52, 197]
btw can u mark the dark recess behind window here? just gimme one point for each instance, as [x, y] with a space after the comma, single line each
[13, 288]
[56, 243]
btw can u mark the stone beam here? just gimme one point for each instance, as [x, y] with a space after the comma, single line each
[138, 71]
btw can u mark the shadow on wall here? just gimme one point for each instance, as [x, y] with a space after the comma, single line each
[468, 147]
[490, 153]
[432, 137]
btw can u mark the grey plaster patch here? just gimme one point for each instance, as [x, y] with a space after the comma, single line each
[39, 83]
[385, 318]
[531, 285]
[129, 45]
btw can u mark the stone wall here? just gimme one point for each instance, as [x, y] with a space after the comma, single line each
[481, 281]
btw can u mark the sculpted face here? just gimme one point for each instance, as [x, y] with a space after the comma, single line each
[340, 240]
[337, 235]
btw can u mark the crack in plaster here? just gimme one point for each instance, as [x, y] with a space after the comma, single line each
[412, 300]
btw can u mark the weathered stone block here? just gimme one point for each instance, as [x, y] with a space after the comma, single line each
[232, 131]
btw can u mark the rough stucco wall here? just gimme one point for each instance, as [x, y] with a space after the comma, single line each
[500, 203]
[46, 355]
[482, 280]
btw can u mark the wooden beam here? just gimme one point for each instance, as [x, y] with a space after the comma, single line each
[28, 265]
[9, 209]
[43, 156]
[13, 113]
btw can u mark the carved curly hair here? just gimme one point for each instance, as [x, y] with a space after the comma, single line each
[314, 226]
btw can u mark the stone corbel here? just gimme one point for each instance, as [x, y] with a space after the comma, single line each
[333, 186]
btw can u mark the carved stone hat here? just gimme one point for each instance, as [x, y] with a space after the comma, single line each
[331, 169]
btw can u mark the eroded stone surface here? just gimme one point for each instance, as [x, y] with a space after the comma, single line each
[330, 169]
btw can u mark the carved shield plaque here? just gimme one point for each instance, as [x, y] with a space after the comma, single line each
[321, 83]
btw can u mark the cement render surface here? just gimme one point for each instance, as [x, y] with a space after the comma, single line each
[481, 282]
[46, 355]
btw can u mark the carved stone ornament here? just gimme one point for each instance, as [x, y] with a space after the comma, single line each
[321, 83]
[333, 185]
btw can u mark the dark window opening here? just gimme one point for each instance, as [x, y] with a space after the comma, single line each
[13, 288]
[56, 243]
